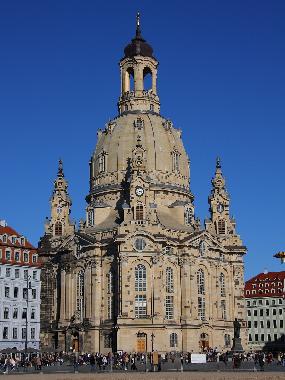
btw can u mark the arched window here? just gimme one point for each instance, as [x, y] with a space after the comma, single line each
[201, 294]
[80, 294]
[202, 248]
[201, 282]
[222, 285]
[173, 340]
[221, 226]
[175, 161]
[139, 212]
[58, 229]
[147, 78]
[102, 162]
[128, 80]
[90, 217]
[169, 280]
[188, 216]
[140, 278]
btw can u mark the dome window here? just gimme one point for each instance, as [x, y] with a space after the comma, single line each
[102, 162]
[139, 123]
[175, 161]
[188, 216]
[90, 218]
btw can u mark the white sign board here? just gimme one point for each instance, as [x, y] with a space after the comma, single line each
[198, 358]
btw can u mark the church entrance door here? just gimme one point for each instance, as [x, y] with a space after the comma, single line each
[204, 341]
[141, 342]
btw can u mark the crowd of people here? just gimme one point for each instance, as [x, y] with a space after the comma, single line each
[133, 361]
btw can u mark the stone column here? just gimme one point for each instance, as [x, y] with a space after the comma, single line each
[62, 295]
[88, 293]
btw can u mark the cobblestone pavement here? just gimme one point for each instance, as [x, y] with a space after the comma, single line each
[154, 376]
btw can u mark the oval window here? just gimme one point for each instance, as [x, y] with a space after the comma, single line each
[140, 244]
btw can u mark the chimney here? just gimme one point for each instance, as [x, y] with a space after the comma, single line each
[3, 223]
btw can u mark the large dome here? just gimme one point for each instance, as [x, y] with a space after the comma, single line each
[160, 141]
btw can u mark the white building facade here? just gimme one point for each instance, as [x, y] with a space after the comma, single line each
[19, 291]
[265, 304]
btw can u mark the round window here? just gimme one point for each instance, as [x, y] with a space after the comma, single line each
[140, 244]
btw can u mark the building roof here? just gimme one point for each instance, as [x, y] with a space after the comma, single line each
[138, 46]
[9, 231]
[270, 284]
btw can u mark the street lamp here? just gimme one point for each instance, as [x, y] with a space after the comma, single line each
[281, 256]
[152, 339]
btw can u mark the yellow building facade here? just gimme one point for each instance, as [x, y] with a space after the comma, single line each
[141, 273]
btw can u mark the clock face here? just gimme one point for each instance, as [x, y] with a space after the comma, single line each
[139, 191]
[220, 208]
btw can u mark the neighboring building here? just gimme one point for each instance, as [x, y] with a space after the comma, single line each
[141, 273]
[264, 295]
[18, 266]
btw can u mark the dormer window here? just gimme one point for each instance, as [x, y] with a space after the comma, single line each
[13, 239]
[4, 238]
[22, 241]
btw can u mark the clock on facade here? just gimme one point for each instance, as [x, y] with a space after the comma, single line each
[139, 191]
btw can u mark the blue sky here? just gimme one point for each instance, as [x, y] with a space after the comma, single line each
[221, 80]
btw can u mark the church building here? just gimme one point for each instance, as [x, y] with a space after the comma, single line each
[140, 273]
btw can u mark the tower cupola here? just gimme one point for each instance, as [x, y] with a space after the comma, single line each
[138, 68]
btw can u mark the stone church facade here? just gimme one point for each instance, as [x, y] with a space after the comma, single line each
[141, 273]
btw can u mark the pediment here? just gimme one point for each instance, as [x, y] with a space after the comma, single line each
[203, 236]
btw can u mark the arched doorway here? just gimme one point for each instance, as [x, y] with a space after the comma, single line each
[141, 342]
[75, 341]
[204, 341]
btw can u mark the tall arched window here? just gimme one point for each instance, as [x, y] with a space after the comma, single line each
[173, 341]
[140, 278]
[221, 227]
[201, 282]
[139, 212]
[169, 280]
[58, 229]
[201, 294]
[80, 294]
[222, 285]
[147, 78]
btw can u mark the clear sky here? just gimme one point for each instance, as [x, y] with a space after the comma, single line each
[221, 80]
